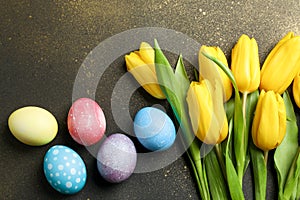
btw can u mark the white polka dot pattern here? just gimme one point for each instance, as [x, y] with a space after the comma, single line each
[64, 169]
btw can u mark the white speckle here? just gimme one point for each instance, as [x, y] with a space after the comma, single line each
[55, 158]
[79, 173]
[50, 166]
[74, 155]
[200, 10]
[83, 171]
[46, 160]
[58, 182]
[73, 171]
[55, 152]
[68, 184]
[64, 174]
[65, 158]
[204, 13]
[60, 167]
[77, 180]
[51, 175]
[67, 150]
[76, 187]
[69, 177]
[56, 174]
[67, 164]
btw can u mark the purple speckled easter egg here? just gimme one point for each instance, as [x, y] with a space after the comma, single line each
[116, 159]
[86, 122]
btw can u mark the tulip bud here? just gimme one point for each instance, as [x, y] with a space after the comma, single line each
[141, 65]
[269, 123]
[206, 110]
[245, 64]
[281, 65]
[296, 89]
[209, 70]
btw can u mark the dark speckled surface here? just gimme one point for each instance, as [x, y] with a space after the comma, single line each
[42, 46]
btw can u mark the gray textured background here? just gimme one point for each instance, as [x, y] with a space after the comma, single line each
[42, 45]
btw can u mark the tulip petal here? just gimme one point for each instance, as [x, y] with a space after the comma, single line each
[274, 50]
[255, 67]
[141, 65]
[223, 131]
[245, 64]
[269, 123]
[281, 118]
[209, 70]
[207, 114]
[147, 53]
[133, 60]
[281, 66]
[296, 89]
[257, 118]
[268, 126]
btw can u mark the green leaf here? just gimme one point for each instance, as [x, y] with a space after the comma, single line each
[290, 188]
[298, 189]
[257, 156]
[229, 108]
[286, 151]
[235, 187]
[240, 136]
[175, 86]
[251, 102]
[217, 184]
[259, 172]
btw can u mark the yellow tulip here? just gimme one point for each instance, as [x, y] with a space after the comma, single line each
[245, 64]
[206, 111]
[269, 123]
[209, 70]
[296, 89]
[281, 65]
[141, 65]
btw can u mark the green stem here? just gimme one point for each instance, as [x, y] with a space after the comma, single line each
[195, 155]
[206, 194]
[266, 153]
[221, 159]
[245, 94]
[195, 173]
[240, 169]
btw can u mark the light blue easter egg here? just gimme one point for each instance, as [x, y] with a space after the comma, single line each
[64, 169]
[154, 129]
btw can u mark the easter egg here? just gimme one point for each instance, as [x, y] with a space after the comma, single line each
[33, 125]
[154, 129]
[116, 159]
[86, 122]
[64, 169]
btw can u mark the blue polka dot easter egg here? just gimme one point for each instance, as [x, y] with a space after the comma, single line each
[154, 129]
[64, 169]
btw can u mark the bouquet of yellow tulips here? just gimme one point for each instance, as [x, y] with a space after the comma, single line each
[232, 116]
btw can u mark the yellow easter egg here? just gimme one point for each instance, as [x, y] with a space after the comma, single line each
[33, 125]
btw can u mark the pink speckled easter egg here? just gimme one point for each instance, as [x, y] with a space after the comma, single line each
[86, 122]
